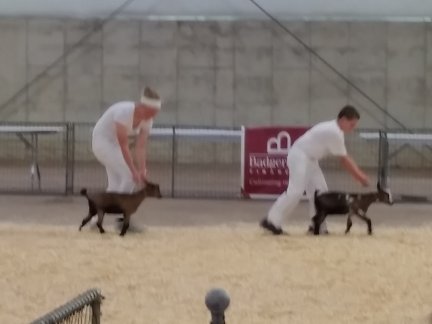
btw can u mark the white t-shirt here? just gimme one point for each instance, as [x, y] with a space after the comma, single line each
[121, 112]
[323, 139]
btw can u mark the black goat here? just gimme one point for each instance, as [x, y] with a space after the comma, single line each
[102, 203]
[341, 203]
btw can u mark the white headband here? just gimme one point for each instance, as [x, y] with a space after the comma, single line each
[154, 103]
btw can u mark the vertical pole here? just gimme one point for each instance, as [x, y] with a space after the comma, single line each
[66, 143]
[33, 166]
[37, 160]
[380, 156]
[383, 158]
[70, 157]
[96, 312]
[173, 161]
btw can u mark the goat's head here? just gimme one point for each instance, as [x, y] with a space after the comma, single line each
[384, 195]
[152, 190]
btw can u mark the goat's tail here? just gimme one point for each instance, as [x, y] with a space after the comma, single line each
[83, 192]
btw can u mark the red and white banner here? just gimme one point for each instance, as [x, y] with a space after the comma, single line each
[264, 152]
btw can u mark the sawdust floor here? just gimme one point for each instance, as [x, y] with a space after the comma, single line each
[161, 272]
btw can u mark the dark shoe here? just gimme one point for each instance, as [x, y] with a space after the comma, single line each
[311, 231]
[270, 227]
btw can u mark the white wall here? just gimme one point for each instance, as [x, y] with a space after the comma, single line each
[297, 9]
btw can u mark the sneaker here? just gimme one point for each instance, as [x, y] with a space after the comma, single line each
[270, 227]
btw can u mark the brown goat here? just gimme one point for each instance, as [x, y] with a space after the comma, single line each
[102, 203]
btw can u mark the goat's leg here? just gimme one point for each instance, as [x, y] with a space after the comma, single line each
[367, 220]
[101, 215]
[126, 218]
[85, 220]
[315, 224]
[349, 223]
[317, 221]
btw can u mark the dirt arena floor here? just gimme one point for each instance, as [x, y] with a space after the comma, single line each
[178, 249]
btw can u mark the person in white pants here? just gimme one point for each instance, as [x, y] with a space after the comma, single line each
[322, 140]
[110, 142]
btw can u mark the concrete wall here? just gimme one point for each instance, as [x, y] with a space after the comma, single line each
[218, 73]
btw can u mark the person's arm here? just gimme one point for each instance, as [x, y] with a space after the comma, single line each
[122, 137]
[141, 151]
[338, 148]
[350, 165]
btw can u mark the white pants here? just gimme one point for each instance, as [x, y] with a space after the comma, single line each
[109, 154]
[304, 175]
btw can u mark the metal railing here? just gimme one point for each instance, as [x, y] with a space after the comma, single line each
[48, 158]
[85, 308]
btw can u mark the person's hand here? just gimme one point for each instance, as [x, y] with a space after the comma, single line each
[136, 177]
[143, 175]
[364, 180]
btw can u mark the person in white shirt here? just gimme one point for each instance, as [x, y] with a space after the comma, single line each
[110, 142]
[322, 140]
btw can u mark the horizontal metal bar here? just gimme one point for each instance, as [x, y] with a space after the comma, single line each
[406, 137]
[31, 129]
[197, 132]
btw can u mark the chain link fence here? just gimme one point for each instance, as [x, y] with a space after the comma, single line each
[406, 162]
[48, 158]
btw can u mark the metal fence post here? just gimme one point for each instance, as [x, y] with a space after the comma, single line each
[217, 301]
[67, 153]
[70, 158]
[383, 158]
[173, 160]
[96, 311]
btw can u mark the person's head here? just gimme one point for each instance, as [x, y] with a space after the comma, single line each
[348, 118]
[150, 103]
